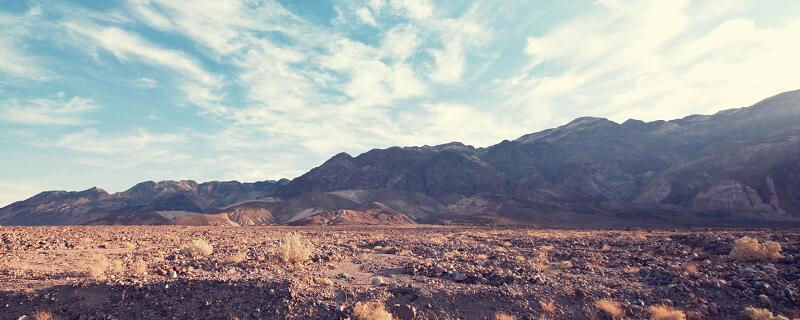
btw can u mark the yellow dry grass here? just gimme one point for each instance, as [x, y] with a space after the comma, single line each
[631, 270]
[749, 249]
[373, 310]
[610, 308]
[293, 250]
[754, 313]
[99, 266]
[664, 312]
[43, 315]
[504, 316]
[547, 305]
[197, 248]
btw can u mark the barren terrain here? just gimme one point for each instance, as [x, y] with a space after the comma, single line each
[420, 272]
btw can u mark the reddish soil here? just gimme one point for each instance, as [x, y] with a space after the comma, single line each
[431, 272]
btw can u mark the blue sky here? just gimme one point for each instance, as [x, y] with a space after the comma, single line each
[110, 93]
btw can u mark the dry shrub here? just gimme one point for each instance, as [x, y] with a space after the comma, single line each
[753, 313]
[237, 258]
[544, 252]
[323, 282]
[504, 316]
[547, 305]
[197, 248]
[631, 270]
[693, 268]
[99, 266]
[605, 248]
[127, 245]
[664, 312]
[610, 308]
[138, 268]
[749, 249]
[563, 265]
[43, 315]
[373, 310]
[293, 250]
[481, 257]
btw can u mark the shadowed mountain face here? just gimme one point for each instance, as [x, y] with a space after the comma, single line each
[737, 165]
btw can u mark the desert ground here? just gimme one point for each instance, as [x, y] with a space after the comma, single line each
[420, 272]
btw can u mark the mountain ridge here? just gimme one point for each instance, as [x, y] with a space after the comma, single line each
[736, 164]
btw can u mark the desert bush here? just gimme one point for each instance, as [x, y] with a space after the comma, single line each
[610, 308]
[138, 268]
[373, 310]
[323, 282]
[749, 249]
[293, 250]
[99, 266]
[693, 268]
[197, 248]
[753, 313]
[127, 245]
[664, 312]
[43, 315]
[605, 248]
[547, 305]
[504, 316]
[237, 258]
[631, 270]
[563, 265]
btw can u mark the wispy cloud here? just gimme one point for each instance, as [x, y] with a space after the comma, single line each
[15, 62]
[41, 111]
[129, 149]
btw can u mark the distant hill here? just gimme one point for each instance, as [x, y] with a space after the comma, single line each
[739, 166]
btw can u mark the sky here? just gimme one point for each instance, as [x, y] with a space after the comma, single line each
[111, 93]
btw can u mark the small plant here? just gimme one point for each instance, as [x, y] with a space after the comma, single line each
[138, 268]
[43, 315]
[373, 310]
[563, 264]
[749, 249]
[753, 313]
[605, 248]
[693, 268]
[665, 312]
[197, 248]
[237, 258]
[293, 250]
[631, 270]
[325, 282]
[610, 308]
[99, 266]
[504, 316]
[547, 305]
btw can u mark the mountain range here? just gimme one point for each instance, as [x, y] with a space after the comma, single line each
[736, 167]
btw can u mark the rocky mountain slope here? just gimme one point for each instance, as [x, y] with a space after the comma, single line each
[736, 166]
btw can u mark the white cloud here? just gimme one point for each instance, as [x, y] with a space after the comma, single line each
[13, 191]
[146, 83]
[41, 111]
[414, 9]
[124, 45]
[366, 16]
[126, 150]
[654, 60]
[15, 62]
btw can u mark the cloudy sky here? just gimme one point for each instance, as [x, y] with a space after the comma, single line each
[110, 93]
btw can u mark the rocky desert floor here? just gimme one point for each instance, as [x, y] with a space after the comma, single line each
[421, 272]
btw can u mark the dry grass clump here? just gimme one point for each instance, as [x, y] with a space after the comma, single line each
[323, 282]
[547, 305]
[610, 308]
[749, 249]
[237, 258]
[373, 310]
[293, 250]
[605, 248]
[127, 245]
[99, 266]
[504, 316]
[138, 268]
[631, 270]
[693, 268]
[563, 264]
[43, 315]
[753, 313]
[664, 312]
[197, 248]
